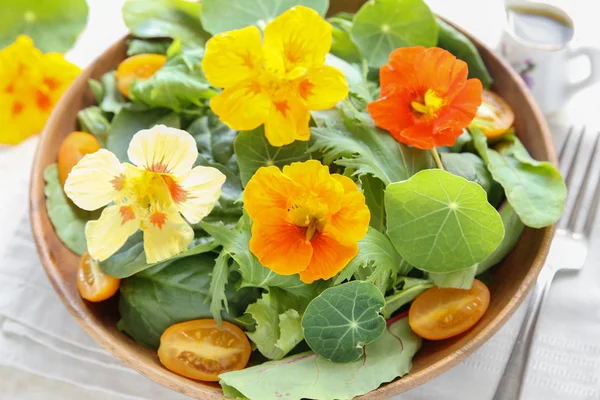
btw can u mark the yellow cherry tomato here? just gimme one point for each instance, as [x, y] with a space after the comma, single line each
[93, 284]
[73, 148]
[494, 116]
[140, 67]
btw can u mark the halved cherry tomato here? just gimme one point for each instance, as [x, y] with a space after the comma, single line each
[140, 66]
[494, 116]
[202, 350]
[72, 149]
[442, 313]
[93, 284]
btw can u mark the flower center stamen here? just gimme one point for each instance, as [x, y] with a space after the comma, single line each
[430, 104]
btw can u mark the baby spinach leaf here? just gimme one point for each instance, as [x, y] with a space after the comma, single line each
[93, 120]
[342, 45]
[373, 189]
[441, 222]
[535, 189]
[357, 144]
[127, 123]
[112, 99]
[308, 376]
[381, 26]
[340, 321]
[143, 46]
[278, 327]
[214, 138]
[165, 18]
[166, 294]
[411, 288]
[179, 84]
[68, 220]
[472, 168]
[462, 279]
[253, 151]
[52, 24]
[458, 44]
[226, 15]
[131, 258]
[513, 227]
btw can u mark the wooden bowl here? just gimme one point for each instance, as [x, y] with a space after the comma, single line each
[510, 284]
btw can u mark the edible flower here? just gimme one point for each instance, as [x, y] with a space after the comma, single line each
[148, 195]
[30, 85]
[278, 82]
[305, 220]
[425, 99]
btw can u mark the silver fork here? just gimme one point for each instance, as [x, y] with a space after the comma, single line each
[567, 252]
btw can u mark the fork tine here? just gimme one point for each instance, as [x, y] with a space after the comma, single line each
[565, 143]
[593, 208]
[576, 209]
[567, 160]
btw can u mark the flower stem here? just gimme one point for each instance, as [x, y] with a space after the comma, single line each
[437, 158]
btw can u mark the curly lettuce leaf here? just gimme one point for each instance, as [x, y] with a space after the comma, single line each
[309, 376]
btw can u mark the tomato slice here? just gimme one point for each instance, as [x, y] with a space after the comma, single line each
[73, 148]
[442, 313]
[494, 116]
[93, 284]
[202, 350]
[140, 66]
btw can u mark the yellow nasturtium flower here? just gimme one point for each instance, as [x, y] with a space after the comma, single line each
[30, 85]
[148, 195]
[276, 82]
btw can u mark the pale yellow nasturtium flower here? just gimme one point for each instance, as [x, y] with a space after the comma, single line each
[151, 195]
[276, 82]
[30, 85]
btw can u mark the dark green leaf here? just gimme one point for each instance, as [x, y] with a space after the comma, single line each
[535, 189]
[93, 120]
[165, 18]
[52, 24]
[226, 15]
[381, 26]
[68, 220]
[219, 279]
[308, 376]
[166, 294]
[253, 151]
[459, 45]
[470, 167]
[143, 46]
[373, 189]
[343, 319]
[441, 222]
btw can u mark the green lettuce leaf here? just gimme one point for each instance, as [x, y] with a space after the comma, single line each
[408, 290]
[342, 45]
[107, 94]
[381, 26]
[143, 46]
[462, 279]
[226, 15]
[441, 222]
[93, 120]
[535, 189]
[52, 24]
[68, 220]
[278, 317]
[165, 18]
[166, 294]
[308, 376]
[253, 151]
[373, 189]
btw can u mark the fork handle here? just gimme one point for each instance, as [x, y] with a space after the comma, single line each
[511, 383]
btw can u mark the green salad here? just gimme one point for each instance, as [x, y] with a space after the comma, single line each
[289, 202]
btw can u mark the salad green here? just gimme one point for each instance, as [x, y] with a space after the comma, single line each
[429, 227]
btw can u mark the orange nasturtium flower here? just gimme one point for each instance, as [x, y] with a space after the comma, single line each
[30, 85]
[305, 220]
[149, 195]
[278, 82]
[426, 99]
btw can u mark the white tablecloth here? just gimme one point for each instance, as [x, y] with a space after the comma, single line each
[44, 354]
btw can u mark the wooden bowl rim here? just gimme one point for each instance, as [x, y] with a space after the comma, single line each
[160, 375]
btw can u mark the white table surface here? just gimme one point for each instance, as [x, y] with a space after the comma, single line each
[482, 18]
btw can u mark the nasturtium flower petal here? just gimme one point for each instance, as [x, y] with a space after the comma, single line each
[287, 121]
[301, 36]
[329, 257]
[242, 107]
[95, 181]
[198, 192]
[166, 234]
[232, 57]
[323, 87]
[109, 233]
[269, 192]
[163, 149]
[351, 222]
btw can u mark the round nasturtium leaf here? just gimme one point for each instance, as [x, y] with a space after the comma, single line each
[381, 26]
[441, 222]
[52, 24]
[343, 319]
